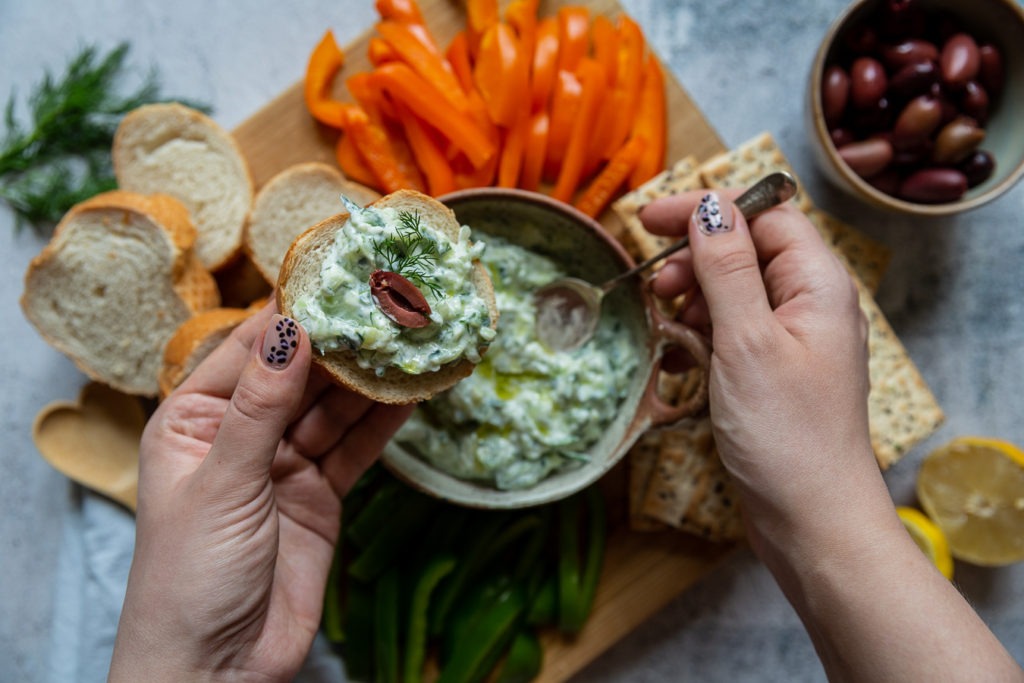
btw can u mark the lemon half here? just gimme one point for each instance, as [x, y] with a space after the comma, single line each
[973, 489]
[929, 538]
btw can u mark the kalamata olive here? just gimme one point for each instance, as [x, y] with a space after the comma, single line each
[913, 80]
[902, 19]
[913, 51]
[974, 102]
[934, 186]
[978, 167]
[876, 118]
[919, 119]
[861, 40]
[913, 154]
[868, 157]
[867, 82]
[835, 92]
[888, 181]
[960, 60]
[842, 136]
[990, 70]
[957, 140]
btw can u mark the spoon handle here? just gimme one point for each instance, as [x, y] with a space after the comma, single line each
[770, 191]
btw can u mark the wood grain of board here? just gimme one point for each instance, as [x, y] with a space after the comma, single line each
[643, 572]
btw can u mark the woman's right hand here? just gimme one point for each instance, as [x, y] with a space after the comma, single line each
[789, 378]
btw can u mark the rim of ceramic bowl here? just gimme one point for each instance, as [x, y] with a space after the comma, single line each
[423, 476]
[865, 189]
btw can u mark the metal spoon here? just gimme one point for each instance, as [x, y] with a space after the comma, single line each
[568, 309]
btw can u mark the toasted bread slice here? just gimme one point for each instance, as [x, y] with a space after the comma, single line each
[290, 203]
[300, 274]
[194, 340]
[179, 151]
[114, 283]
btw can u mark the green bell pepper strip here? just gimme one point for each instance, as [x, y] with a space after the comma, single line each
[394, 538]
[576, 587]
[488, 543]
[524, 659]
[416, 635]
[461, 624]
[332, 622]
[386, 636]
[543, 608]
[492, 630]
[374, 515]
[359, 629]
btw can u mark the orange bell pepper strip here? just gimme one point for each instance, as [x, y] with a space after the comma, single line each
[594, 86]
[437, 172]
[426, 62]
[565, 104]
[606, 46]
[457, 55]
[651, 124]
[501, 74]
[370, 98]
[593, 200]
[545, 64]
[512, 153]
[371, 142]
[324, 64]
[609, 124]
[629, 79]
[352, 165]
[522, 16]
[402, 83]
[573, 36]
[481, 15]
[404, 11]
[533, 155]
[380, 52]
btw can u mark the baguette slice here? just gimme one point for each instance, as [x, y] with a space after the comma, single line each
[179, 151]
[194, 340]
[114, 283]
[300, 274]
[290, 203]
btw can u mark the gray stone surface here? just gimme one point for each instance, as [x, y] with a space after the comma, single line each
[953, 294]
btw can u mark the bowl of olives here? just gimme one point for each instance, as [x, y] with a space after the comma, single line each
[914, 105]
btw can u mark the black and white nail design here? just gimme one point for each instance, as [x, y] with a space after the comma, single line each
[709, 215]
[280, 341]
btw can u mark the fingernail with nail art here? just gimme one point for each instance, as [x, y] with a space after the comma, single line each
[711, 217]
[280, 342]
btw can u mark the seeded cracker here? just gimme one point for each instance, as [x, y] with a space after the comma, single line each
[643, 457]
[865, 257]
[748, 163]
[675, 481]
[682, 177]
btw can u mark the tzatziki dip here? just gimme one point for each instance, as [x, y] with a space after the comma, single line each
[526, 411]
[342, 314]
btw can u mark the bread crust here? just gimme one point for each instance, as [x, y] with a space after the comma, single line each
[148, 127]
[193, 285]
[201, 332]
[262, 233]
[300, 272]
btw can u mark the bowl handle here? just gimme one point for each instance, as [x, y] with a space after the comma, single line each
[669, 333]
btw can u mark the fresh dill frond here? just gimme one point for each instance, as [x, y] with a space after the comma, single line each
[410, 253]
[63, 155]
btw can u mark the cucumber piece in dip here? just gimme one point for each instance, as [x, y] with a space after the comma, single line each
[342, 313]
[526, 411]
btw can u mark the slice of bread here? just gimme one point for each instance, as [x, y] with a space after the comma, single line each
[300, 274]
[194, 340]
[290, 203]
[179, 151]
[114, 283]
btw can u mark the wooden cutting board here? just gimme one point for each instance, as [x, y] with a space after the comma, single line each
[643, 572]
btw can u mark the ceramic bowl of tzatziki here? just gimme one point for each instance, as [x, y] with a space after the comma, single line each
[532, 425]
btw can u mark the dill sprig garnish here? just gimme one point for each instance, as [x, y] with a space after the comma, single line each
[63, 156]
[410, 253]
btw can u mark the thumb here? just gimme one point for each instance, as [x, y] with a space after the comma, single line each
[725, 263]
[264, 402]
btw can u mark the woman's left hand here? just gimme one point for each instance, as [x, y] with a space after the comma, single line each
[242, 472]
